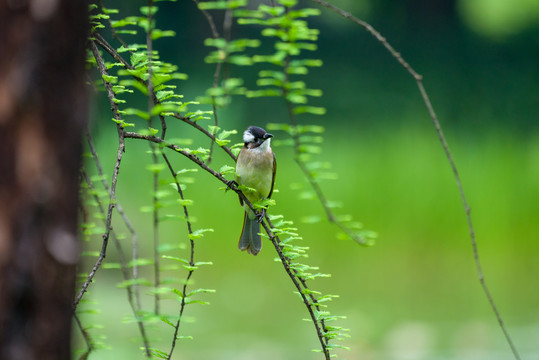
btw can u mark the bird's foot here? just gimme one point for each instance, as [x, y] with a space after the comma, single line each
[230, 183]
[260, 215]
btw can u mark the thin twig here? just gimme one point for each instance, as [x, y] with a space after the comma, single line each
[121, 148]
[418, 78]
[216, 76]
[123, 215]
[112, 202]
[86, 337]
[155, 212]
[205, 132]
[114, 32]
[332, 218]
[301, 285]
[109, 49]
[227, 32]
[209, 18]
[132, 290]
[178, 116]
[191, 258]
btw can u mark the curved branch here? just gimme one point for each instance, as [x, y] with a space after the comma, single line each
[418, 78]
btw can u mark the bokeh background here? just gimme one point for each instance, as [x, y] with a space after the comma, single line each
[415, 294]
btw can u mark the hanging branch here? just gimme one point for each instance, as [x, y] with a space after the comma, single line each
[191, 258]
[216, 76]
[419, 82]
[86, 337]
[112, 202]
[127, 222]
[133, 296]
[332, 218]
[121, 149]
[155, 212]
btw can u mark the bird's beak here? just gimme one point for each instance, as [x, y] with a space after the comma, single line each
[267, 136]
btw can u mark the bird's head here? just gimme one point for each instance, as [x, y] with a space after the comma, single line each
[254, 137]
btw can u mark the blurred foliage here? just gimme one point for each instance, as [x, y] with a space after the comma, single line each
[498, 19]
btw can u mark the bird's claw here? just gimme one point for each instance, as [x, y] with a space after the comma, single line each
[260, 215]
[230, 183]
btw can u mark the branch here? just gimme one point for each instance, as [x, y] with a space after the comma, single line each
[216, 75]
[205, 132]
[112, 191]
[300, 285]
[299, 282]
[127, 222]
[112, 52]
[86, 337]
[121, 149]
[155, 212]
[191, 259]
[418, 78]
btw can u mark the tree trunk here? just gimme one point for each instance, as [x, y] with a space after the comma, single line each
[42, 110]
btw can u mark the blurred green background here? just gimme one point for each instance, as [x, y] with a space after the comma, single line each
[415, 294]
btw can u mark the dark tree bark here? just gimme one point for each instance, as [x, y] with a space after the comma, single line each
[42, 110]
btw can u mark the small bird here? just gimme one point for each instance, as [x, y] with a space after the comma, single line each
[255, 168]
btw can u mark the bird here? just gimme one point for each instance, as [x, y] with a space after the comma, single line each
[255, 169]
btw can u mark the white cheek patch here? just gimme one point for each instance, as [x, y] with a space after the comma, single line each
[263, 147]
[248, 137]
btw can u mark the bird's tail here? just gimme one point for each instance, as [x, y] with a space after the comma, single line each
[250, 239]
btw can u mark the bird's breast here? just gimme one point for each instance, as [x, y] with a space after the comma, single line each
[255, 170]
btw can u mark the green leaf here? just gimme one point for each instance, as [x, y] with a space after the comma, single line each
[123, 31]
[240, 60]
[197, 234]
[219, 43]
[225, 169]
[155, 168]
[145, 10]
[137, 112]
[157, 34]
[288, 3]
[110, 78]
[265, 92]
[184, 337]
[185, 202]
[198, 263]
[183, 171]
[112, 265]
[197, 291]
[139, 262]
[263, 204]
[109, 11]
[122, 23]
[310, 128]
[175, 258]
[222, 4]
[221, 142]
[158, 353]
[309, 109]
[139, 58]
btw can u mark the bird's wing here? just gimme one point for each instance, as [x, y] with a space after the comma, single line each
[273, 175]
[236, 174]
